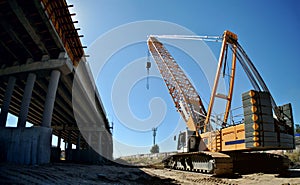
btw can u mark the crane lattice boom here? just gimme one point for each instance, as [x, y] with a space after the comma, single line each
[184, 95]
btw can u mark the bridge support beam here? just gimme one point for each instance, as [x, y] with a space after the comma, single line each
[6, 100]
[50, 98]
[100, 143]
[25, 145]
[89, 140]
[78, 141]
[26, 100]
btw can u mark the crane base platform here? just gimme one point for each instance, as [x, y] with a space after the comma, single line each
[255, 162]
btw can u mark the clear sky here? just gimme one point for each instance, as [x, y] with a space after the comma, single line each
[267, 30]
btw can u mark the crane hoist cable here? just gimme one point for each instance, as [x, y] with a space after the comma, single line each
[225, 62]
[148, 66]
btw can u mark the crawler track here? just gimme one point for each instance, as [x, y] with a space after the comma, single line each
[227, 164]
[204, 162]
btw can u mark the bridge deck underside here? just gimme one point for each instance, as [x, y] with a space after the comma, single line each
[33, 31]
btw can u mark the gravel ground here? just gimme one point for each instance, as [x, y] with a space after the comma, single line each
[66, 173]
[182, 177]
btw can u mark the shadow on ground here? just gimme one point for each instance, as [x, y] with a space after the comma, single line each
[66, 173]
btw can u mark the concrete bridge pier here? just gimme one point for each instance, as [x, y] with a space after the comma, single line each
[78, 141]
[50, 98]
[56, 151]
[23, 145]
[41, 59]
[59, 140]
[26, 100]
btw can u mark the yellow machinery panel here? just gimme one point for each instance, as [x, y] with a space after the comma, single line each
[233, 138]
[212, 140]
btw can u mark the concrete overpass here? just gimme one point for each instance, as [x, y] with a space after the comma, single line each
[45, 80]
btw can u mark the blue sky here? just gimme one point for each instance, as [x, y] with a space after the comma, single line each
[268, 31]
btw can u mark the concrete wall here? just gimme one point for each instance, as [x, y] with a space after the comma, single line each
[25, 145]
[150, 156]
[84, 156]
[55, 154]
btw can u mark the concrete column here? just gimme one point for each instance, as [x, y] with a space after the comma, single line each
[100, 143]
[26, 100]
[50, 98]
[59, 139]
[110, 154]
[69, 140]
[6, 100]
[89, 140]
[65, 145]
[78, 141]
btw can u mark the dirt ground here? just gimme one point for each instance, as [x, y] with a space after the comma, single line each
[182, 177]
[66, 173]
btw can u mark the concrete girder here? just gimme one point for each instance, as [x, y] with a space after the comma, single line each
[8, 50]
[82, 105]
[85, 104]
[88, 91]
[68, 82]
[26, 24]
[15, 37]
[64, 133]
[73, 137]
[84, 129]
[63, 65]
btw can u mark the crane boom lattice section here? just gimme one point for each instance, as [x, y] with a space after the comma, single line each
[186, 99]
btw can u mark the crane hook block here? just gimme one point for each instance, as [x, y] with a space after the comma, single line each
[148, 65]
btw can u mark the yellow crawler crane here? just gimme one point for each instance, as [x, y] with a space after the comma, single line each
[231, 147]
